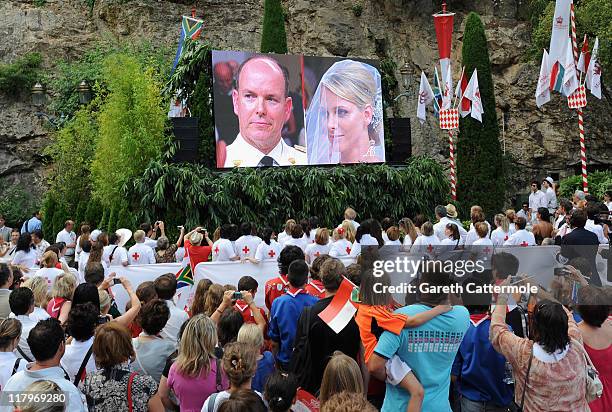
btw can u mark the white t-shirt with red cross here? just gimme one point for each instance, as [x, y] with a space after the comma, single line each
[223, 251]
[521, 238]
[340, 247]
[314, 250]
[498, 236]
[268, 252]
[141, 254]
[246, 246]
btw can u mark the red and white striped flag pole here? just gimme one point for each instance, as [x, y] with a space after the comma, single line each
[453, 178]
[583, 160]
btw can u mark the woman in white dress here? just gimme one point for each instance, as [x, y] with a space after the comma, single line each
[342, 246]
[427, 242]
[319, 247]
[268, 249]
[344, 121]
[25, 253]
[502, 230]
[452, 236]
[297, 237]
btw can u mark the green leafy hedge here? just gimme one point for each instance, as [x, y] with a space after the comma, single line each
[18, 77]
[192, 194]
[599, 182]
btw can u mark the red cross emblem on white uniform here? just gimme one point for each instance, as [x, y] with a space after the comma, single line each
[245, 250]
[318, 253]
[216, 250]
[524, 244]
[271, 253]
[348, 250]
[136, 256]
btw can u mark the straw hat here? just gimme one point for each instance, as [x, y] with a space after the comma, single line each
[451, 211]
[124, 236]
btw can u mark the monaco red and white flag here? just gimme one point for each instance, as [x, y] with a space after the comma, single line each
[560, 31]
[585, 56]
[464, 104]
[570, 78]
[472, 93]
[341, 309]
[426, 96]
[542, 94]
[447, 99]
[593, 77]
[443, 22]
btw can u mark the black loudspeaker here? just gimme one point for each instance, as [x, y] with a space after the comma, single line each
[187, 137]
[401, 140]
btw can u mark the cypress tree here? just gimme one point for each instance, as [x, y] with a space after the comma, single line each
[93, 212]
[103, 223]
[48, 210]
[112, 221]
[273, 35]
[479, 158]
[80, 214]
[57, 223]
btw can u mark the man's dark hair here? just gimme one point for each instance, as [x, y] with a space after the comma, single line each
[313, 222]
[331, 274]
[234, 232]
[247, 283]
[288, 255]
[225, 232]
[266, 235]
[87, 293]
[45, 339]
[24, 242]
[550, 327]
[38, 233]
[535, 182]
[154, 316]
[434, 278]
[298, 273]
[112, 238]
[263, 57]
[229, 324]
[86, 246]
[592, 211]
[590, 198]
[165, 286]
[82, 321]
[520, 222]
[146, 227]
[5, 273]
[578, 218]
[441, 211]
[544, 214]
[386, 223]
[94, 273]
[525, 204]
[353, 273]
[593, 305]
[247, 229]
[566, 205]
[505, 264]
[20, 301]
[473, 301]
[280, 391]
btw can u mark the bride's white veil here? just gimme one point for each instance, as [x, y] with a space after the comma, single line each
[354, 81]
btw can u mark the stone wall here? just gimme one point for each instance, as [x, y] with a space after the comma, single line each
[540, 141]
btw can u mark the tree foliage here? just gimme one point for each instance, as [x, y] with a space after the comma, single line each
[131, 128]
[479, 168]
[599, 183]
[191, 194]
[16, 205]
[273, 35]
[18, 77]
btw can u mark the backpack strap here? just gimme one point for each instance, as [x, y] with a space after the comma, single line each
[22, 353]
[15, 366]
[211, 402]
[218, 383]
[110, 258]
[129, 391]
[79, 375]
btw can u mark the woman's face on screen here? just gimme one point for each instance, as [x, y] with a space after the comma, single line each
[346, 122]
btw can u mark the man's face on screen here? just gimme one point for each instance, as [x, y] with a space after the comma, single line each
[260, 103]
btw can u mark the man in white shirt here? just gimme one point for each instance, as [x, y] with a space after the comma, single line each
[40, 244]
[537, 199]
[47, 343]
[262, 104]
[350, 214]
[151, 233]
[115, 254]
[69, 238]
[565, 207]
[521, 237]
[592, 212]
[21, 301]
[165, 286]
[140, 254]
[551, 196]
[246, 244]
[222, 249]
[443, 220]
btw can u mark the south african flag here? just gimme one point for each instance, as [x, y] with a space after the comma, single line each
[184, 277]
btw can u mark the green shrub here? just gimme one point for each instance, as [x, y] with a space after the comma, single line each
[599, 182]
[93, 213]
[16, 205]
[191, 194]
[103, 223]
[131, 128]
[480, 177]
[273, 35]
[19, 77]
[112, 220]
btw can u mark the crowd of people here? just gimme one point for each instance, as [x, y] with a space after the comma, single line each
[441, 352]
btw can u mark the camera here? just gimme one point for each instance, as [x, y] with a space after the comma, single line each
[237, 295]
[560, 272]
[116, 281]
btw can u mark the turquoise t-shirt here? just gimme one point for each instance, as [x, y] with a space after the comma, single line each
[429, 350]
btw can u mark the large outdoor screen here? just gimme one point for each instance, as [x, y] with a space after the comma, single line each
[284, 110]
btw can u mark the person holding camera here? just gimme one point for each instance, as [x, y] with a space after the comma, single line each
[194, 247]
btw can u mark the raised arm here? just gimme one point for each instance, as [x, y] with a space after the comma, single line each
[225, 303]
[128, 317]
[259, 319]
[181, 236]
[423, 317]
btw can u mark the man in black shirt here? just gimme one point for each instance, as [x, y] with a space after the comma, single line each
[322, 340]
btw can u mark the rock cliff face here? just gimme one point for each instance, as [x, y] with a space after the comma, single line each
[541, 142]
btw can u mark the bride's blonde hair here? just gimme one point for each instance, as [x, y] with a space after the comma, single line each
[353, 82]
